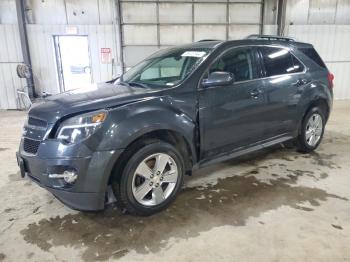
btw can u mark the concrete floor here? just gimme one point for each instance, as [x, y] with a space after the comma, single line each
[277, 205]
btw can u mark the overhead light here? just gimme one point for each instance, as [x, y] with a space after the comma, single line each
[280, 79]
[278, 53]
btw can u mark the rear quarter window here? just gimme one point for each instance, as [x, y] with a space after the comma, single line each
[313, 55]
[279, 61]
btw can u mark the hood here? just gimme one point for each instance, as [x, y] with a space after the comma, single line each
[94, 97]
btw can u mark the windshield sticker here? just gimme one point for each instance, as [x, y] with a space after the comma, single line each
[194, 53]
[169, 84]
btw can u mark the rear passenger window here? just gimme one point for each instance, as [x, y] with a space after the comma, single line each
[313, 55]
[279, 61]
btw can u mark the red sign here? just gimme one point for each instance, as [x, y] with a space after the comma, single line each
[106, 55]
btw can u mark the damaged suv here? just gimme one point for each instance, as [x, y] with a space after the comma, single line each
[182, 108]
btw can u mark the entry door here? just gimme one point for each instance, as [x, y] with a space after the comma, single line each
[73, 62]
[232, 117]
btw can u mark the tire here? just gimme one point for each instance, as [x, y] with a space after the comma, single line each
[311, 131]
[145, 187]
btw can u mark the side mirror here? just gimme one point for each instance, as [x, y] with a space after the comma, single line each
[218, 79]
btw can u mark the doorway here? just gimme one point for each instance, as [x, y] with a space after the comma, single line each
[73, 62]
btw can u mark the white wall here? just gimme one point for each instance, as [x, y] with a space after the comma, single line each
[45, 19]
[332, 43]
[326, 25]
[42, 53]
[150, 25]
[10, 56]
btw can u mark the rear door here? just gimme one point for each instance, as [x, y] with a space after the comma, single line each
[284, 82]
[232, 116]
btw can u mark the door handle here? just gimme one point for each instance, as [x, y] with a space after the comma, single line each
[300, 82]
[255, 93]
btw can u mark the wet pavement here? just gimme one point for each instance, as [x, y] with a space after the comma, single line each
[274, 196]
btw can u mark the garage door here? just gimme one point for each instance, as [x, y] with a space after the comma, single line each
[150, 25]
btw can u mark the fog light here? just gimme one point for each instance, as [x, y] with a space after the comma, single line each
[68, 176]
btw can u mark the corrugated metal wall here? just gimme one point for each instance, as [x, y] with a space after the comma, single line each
[326, 25]
[318, 12]
[148, 25]
[93, 18]
[10, 56]
[43, 54]
[172, 22]
[331, 41]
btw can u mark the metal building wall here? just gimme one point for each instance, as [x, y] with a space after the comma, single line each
[326, 25]
[149, 25]
[318, 12]
[10, 55]
[93, 18]
[46, 18]
[331, 41]
[42, 52]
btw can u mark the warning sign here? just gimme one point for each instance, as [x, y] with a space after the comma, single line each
[106, 56]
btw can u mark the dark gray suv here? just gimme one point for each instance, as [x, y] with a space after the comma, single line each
[180, 109]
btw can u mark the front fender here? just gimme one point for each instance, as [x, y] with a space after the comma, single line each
[127, 123]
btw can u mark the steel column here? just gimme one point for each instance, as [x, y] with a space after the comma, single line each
[119, 35]
[20, 6]
[281, 16]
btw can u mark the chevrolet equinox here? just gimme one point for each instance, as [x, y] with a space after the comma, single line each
[135, 137]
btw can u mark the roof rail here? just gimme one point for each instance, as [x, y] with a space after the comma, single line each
[270, 37]
[206, 40]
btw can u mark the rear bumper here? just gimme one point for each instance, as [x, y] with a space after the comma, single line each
[88, 193]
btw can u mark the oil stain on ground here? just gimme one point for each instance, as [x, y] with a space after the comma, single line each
[229, 202]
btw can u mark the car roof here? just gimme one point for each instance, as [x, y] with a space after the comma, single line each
[243, 42]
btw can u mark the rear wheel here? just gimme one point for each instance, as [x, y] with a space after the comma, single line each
[151, 179]
[312, 130]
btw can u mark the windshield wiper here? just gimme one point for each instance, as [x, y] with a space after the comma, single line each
[123, 83]
[138, 84]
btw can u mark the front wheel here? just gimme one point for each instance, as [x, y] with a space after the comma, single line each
[311, 131]
[151, 179]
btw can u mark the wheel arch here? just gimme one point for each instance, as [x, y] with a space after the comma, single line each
[320, 102]
[173, 137]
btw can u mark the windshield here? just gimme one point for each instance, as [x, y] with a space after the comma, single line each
[165, 68]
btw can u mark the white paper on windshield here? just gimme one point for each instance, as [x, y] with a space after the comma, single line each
[194, 53]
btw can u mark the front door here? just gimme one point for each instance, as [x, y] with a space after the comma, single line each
[232, 117]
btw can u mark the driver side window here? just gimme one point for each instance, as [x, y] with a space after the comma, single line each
[238, 61]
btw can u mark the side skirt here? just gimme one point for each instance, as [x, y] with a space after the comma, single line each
[239, 152]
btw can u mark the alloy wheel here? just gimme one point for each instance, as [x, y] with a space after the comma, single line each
[314, 128]
[155, 179]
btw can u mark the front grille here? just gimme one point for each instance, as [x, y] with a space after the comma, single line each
[30, 146]
[37, 122]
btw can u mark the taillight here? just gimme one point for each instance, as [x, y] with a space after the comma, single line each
[330, 77]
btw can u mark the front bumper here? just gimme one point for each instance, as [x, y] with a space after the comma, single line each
[93, 168]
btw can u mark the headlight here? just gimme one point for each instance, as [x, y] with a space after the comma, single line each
[80, 127]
